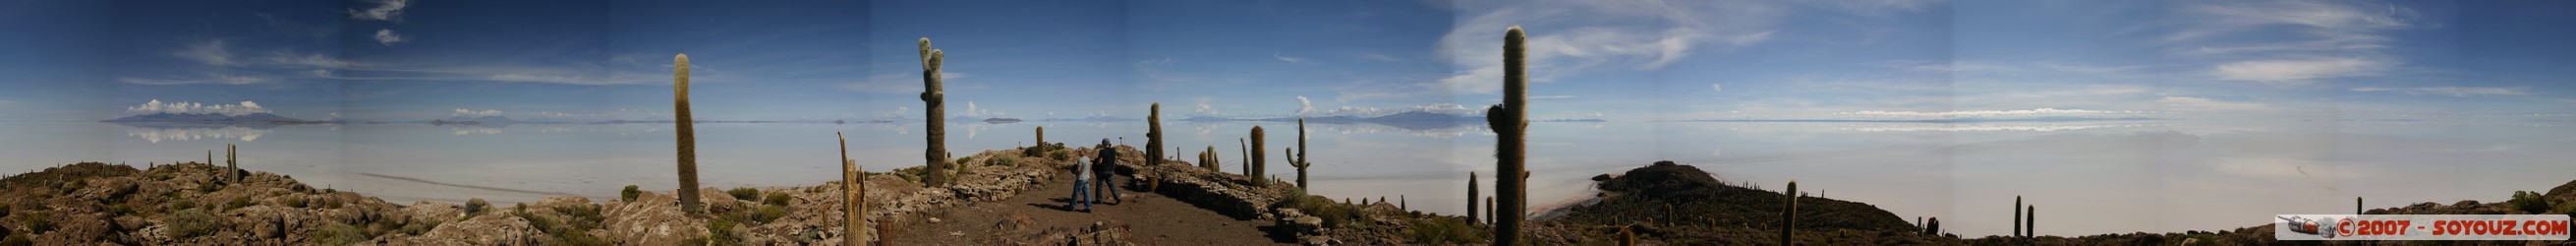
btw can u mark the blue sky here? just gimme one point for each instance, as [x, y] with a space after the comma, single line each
[403, 60]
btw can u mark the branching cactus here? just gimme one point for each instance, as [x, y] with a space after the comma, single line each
[1789, 214]
[1153, 135]
[1259, 159]
[1208, 159]
[688, 138]
[1510, 126]
[1300, 154]
[936, 154]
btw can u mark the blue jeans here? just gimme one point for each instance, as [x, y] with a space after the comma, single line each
[1109, 187]
[1081, 195]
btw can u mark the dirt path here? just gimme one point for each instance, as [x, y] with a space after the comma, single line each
[1153, 219]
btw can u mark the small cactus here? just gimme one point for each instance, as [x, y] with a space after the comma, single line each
[1932, 227]
[1789, 215]
[1471, 197]
[1208, 159]
[688, 139]
[1042, 144]
[1246, 153]
[1489, 210]
[2016, 226]
[936, 155]
[1259, 159]
[1627, 237]
[2030, 223]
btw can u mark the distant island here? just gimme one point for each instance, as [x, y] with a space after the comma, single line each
[461, 120]
[212, 118]
[1002, 120]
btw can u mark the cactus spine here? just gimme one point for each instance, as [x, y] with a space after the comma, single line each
[688, 140]
[1301, 162]
[936, 155]
[852, 205]
[1154, 135]
[1259, 158]
[1471, 197]
[1789, 215]
[1510, 127]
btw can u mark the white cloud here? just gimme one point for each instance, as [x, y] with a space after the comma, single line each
[466, 112]
[203, 78]
[2453, 91]
[1289, 59]
[2323, 39]
[156, 106]
[1995, 114]
[897, 83]
[210, 52]
[1305, 106]
[2202, 104]
[387, 37]
[1569, 37]
[385, 10]
[2294, 72]
[1716, 87]
[293, 59]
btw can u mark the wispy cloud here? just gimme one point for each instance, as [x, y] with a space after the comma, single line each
[1289, 59]
[156, 106]
[1995, 114]
[387, 37]
[385, 10]
[2453, 91]
[201, 78]
[1570, 36]
[469, 112]
[894, 83]
[209, 52]
[2321, 39]
[2181, 103]
[2295, 72]
[1305, 106]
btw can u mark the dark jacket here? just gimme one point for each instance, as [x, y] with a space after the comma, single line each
[1103, 162]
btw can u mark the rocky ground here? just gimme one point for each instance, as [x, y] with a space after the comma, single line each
[1011, 197]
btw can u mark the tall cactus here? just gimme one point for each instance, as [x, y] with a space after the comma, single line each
[688, 138]
[1042, 144]
[1510, 124]
[232, 164]
[936, 155]
[1153, 135]
[1471, 196]
[1300, 154]
[2016, 226]
[1789, 214]
[852, 204]
[1259, 159]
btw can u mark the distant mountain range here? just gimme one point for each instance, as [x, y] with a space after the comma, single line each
[473, 120]
[210, 118]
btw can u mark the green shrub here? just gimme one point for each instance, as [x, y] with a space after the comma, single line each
[584, 217]
[424, 226]
[746, 194]
[296, 202]
[207, 187]
[183, 205]
[38, 223]
[2530, 202]
[239, 202]
[476, 206]
[761, 215]
[192, 223]
[338, 234]
[1443, 231]
[629, 194]
[720, 232]
[16, 240]
[777, 199]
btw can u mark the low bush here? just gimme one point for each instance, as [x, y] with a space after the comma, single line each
[746, 194]
[777, 199]
[338, 234]
[239, 202]
[192, 223]
[2530, 202]
[629, 194]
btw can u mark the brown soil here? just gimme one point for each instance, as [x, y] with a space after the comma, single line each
[1151, 219]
